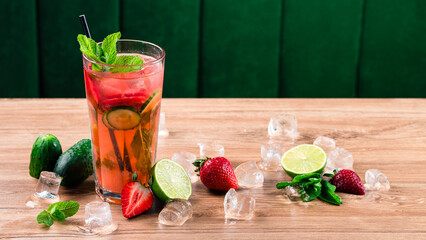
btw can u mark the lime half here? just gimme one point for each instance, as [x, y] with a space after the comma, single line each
[170, 180]
[302, 159]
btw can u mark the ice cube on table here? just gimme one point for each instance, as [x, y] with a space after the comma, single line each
[376, 180]
[211, 149]
[283, 126]
[98, 219]
[291, 192]
[249, 175]
[339, 158]
[46, 191]
[162, 130]
[238, 206]
[185, 159]
[327, 144]
[176, 212]
[271, 156]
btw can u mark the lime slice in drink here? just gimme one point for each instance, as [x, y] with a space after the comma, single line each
[170, 180]
[302, 159]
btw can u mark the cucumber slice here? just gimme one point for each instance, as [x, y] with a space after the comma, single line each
[121, 118]
[153, 99]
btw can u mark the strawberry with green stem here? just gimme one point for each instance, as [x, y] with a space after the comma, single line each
[216, 173]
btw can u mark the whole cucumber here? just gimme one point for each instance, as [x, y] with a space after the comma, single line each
[75, 164]
[46, 151]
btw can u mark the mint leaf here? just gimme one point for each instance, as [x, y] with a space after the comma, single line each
[299, 179]
[127, 60]
[305, 177]
[58, 211]
[68, 208]
[108, 163]
[89, 47]
[136, 144]
[312, 189]
[283, 184]
[44, 217]
[58, 215]
[328, 195]
[109, 47]
[312, 186]
[107, 53]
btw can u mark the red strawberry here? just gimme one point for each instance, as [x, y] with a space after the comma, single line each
[348, 181]
[217, 173]
[135, 199]
[134, 101]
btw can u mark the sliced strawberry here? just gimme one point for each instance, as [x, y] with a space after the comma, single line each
[91, 91]
[135, 199]
[132, 101]
[348, 181]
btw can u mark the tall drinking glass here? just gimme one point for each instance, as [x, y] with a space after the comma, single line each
[124, 108]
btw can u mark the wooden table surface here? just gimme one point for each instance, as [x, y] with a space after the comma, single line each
[388, 134]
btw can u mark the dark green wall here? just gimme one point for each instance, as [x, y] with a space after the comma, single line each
[226, 48]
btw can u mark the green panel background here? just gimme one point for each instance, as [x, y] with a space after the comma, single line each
[174, 25]
[320, 48]
[60, 57]
[239, 48]
[18, 51]
[393, 62]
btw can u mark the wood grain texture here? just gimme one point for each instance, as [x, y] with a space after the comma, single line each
[389, 134]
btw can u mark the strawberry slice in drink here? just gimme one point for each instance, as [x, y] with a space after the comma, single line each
[92, 93]
[131, 101]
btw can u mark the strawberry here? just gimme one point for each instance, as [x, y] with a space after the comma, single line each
[135, 198]
[133, 101]
[216, 173]
[348, 181]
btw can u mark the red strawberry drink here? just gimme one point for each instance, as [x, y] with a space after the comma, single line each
[124, 108]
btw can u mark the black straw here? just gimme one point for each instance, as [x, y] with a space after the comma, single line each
[84, 25]
[111, 132]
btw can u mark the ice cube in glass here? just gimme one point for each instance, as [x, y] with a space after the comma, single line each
[98, 219]
[238, 206]
[376, 180]
[176, 212]
[249, 175]
[185, 159]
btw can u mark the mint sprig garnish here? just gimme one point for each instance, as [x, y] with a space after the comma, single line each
[109, 48]
[58, 211]
[312, 186]
[107, 53]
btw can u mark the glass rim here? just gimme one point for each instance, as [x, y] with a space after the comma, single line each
[163, 54]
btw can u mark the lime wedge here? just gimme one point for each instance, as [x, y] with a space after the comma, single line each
[302, 159]
[170, 180]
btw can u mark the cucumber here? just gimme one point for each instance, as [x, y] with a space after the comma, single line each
[45, 153]
[75, 164]
[151, 101]
[122, 118]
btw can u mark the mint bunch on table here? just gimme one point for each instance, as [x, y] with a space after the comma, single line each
[58, 211]
[107, 53]
[313, 186]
